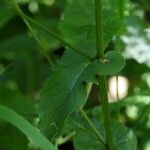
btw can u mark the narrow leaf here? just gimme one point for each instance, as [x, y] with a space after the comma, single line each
[22, 124]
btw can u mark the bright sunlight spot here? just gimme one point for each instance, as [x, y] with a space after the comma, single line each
[123, 85]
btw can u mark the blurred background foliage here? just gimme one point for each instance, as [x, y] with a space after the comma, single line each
[24, 67]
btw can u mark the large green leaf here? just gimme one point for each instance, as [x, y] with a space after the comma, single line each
[85, 138]
[78, 24]
[29, 130]
[63, 92]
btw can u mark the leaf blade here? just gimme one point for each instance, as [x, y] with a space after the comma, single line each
[63, 92]
[30, 131]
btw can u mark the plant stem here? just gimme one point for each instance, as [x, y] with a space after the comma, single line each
[102, 79]
[99, 28]
[105, 107]
[85, 116]
[20, 12]
[63, 140]
[87, 119]
[100, 137]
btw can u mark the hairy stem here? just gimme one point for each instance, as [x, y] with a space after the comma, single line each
[102, 79]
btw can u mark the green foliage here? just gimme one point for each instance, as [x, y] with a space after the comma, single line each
[63, 92]
[56, 41]
[123, 138]
[30, 131]
[77, 25]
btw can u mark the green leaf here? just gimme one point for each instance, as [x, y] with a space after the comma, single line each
[63, 92]
[123, 138]
[23, 125]
[78, 24]
[85, 138]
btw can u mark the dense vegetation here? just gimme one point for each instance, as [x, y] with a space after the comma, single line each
[75, 74]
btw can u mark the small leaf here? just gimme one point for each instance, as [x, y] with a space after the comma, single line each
[22, 124]
[63, 91]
